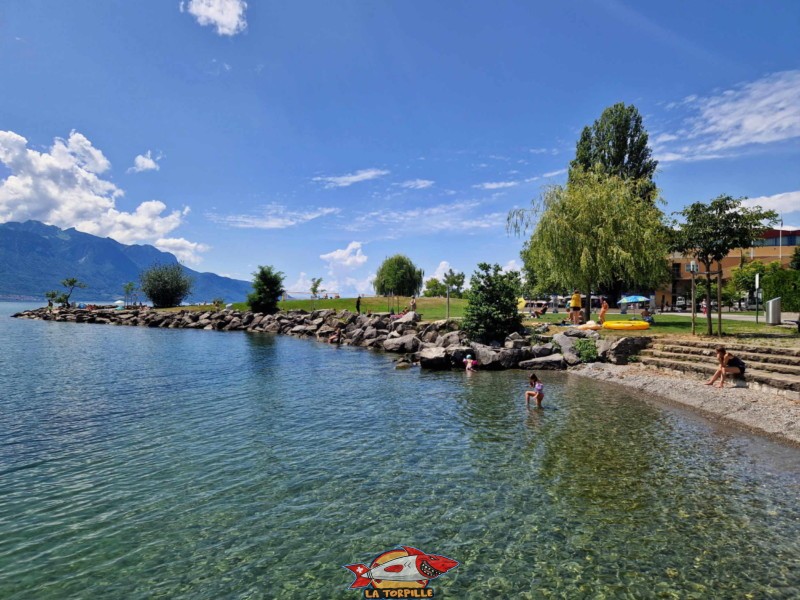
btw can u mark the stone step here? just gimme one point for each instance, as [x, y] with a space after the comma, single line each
[736, 348]
[780, 383]
[768, 360]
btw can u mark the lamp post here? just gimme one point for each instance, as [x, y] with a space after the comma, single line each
[780, 242]
[693, 269]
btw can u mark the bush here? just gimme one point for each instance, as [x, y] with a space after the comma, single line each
[586, 349]
[166, 285]
[785, 284]
[267, 290]
[492, 310]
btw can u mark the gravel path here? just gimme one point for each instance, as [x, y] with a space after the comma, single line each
[758, 410]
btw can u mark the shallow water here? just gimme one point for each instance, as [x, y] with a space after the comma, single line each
[192, 464]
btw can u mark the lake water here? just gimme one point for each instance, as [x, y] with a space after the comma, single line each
[140, 463]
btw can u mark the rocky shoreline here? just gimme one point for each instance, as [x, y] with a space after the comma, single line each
[434, 345]
[753, 409]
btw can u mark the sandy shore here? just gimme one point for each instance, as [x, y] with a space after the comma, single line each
[757, 410]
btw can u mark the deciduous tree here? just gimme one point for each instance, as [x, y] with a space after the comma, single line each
[592, 232]
[708, 232]
[399, 276]
[166, 285]
[434, 288]
[456, 283]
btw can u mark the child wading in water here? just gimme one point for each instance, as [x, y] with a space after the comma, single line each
[537, 393]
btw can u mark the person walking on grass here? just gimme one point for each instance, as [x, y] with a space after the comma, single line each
[728, 365]
[358, 304]
[575, 306]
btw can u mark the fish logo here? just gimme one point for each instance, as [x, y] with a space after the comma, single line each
[404, 568]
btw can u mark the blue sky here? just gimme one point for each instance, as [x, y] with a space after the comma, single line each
[322, 137]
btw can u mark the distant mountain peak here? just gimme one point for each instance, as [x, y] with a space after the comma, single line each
[35, 257]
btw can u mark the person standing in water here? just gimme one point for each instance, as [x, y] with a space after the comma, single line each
[537, 393]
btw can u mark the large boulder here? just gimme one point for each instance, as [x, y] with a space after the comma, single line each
[452, 338]
[540, 350]
[434, 358]
[490, 358]
[621, 350]
[457, 354]
[405, 344]
[552, 362]
[567, 345]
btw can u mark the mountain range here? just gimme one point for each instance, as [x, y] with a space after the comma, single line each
[35, 258]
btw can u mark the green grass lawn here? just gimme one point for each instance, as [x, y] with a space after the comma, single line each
[677, 324]
[431, 309]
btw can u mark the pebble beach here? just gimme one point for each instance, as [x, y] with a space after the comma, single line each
[757, 410]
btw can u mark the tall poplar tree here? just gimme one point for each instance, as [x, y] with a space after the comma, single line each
[616, 144]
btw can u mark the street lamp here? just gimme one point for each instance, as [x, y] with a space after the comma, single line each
[780, 242]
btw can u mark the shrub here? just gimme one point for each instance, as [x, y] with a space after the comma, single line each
[267, 290]
[166, 285]
[586, 349]
[785, 284]
[492, 310]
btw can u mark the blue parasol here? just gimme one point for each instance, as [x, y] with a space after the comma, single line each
[632, 299]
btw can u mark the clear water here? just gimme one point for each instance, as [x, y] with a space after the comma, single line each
[140, 463]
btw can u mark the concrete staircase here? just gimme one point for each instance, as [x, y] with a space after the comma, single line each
[769, 368]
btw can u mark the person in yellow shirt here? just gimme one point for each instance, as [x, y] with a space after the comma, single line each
[575, 305]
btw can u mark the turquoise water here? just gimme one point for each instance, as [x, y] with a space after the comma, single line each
[140, 463]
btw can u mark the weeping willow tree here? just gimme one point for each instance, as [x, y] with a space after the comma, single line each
[592, 232]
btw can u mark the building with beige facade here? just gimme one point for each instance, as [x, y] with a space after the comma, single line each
[776, 245]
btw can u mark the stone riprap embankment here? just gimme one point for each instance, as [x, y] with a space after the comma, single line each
[435, 345]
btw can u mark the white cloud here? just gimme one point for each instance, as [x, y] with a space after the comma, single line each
[301, 286]
[345, 260]
[341, 264]
[511, 265]
[787, 202]
[273, 216]
[417, 184]
[440, 271]
[226, 15]
[61, 187]
[183, 249]
[538, 150]
[455, 217]
[554, 173]
[760, 112]
[496, 185]
[351, 178]
[145, 162]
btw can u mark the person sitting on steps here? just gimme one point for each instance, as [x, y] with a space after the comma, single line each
[728, 365]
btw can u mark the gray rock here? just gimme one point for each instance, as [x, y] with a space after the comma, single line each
[567, 345]
[621, 350]
[457, 354]
[434, 358]
[552, 362]
[540, 350]
[406, 344]
[448, 339]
